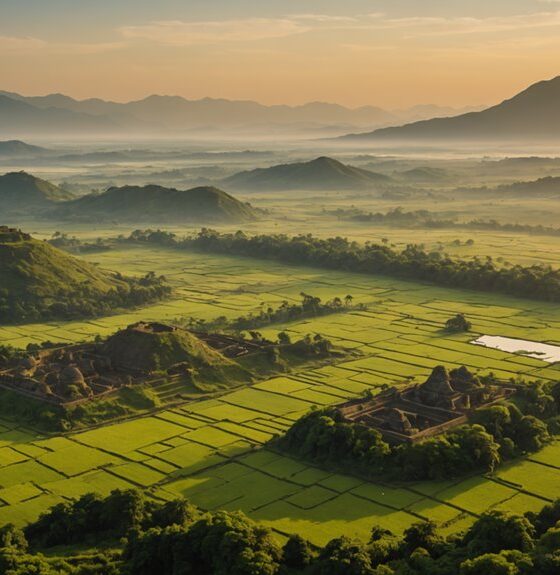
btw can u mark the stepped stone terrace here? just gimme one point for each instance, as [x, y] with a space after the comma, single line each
[72, 374]
[416, 412]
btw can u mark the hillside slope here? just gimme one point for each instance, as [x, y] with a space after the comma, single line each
[531, 114]
[157, 203]
[17, 148]
[321, 173]
[38, 281]
[20, 191]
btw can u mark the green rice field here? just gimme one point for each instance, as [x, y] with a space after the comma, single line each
[211, 451]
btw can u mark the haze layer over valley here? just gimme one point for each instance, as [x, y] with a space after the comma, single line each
[280, 288]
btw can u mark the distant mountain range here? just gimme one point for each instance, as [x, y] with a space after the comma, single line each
[60, 114]
[24, 194]
[533, 114]
[320, 174]
[548, 186]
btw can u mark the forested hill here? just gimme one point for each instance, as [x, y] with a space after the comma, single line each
[321, 173]
[157, 203]
[22, 191]
[38, 281]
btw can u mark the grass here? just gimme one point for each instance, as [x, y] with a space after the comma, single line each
[209, 451]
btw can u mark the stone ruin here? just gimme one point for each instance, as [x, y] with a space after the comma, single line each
[10, 235]
[416, 412]
[63, 375]
[75, 373]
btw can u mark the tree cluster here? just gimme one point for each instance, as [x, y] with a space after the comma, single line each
[413, 262]
[458, 323]
[177, 538]
[84, 301]
[310, 306]
[492, 435]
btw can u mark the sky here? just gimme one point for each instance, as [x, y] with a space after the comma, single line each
[389, 53]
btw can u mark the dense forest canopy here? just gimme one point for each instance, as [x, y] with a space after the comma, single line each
[131, 534]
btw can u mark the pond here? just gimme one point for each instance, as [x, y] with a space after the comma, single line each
[544, 351]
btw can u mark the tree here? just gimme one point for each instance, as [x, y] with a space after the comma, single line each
[422, 535]
[489, 564]
[175, 512]
[531, 434]
[344, 556]
[13, 537]
[498, 530]
[458, 323]
[297, 553]
[284, 338]
[494, 419]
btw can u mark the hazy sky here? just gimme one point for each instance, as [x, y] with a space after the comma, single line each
[392, 53]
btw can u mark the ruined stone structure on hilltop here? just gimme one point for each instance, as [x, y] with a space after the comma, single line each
[415, 412]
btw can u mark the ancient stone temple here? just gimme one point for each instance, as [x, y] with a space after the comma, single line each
[144, 352]
[415, 412]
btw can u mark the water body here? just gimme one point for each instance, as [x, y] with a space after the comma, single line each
[544, 351]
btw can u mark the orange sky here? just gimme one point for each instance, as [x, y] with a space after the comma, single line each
[390, 60]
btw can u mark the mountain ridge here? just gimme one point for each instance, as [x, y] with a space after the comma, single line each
[533, 113]
[57, 112]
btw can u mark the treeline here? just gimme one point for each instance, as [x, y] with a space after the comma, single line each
[493, 434]
[413, 262]
[176, 538]
[84, 301]
[426, 219]
[74, 245]
[310, 306]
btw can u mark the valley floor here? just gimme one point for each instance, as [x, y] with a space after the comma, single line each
[210, 451]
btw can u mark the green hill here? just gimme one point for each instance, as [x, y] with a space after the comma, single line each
[38, 281]
[20, 191]
[157, 203]
[320, 174]
[154, 347]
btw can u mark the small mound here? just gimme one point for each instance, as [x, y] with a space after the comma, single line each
[151, 347]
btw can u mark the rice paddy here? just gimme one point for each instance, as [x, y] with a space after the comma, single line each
[211, 451]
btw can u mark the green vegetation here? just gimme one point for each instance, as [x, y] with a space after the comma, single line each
[156, 203]
[20, 192]
[128, 533]
[38, 281]
[211, 452]
[459, 323]
[399, 217]
[310, 306]
[158, 350]
[321, 173]
[494, 434]
[537, 281]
